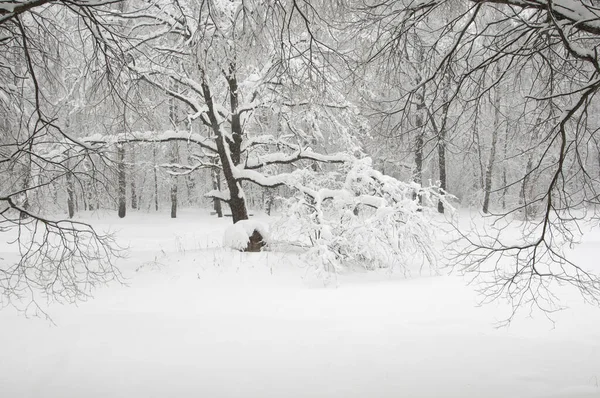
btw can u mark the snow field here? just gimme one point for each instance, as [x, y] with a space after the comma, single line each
[198, 320]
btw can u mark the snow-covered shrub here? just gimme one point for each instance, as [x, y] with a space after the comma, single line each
[237, 236]
[363, 218]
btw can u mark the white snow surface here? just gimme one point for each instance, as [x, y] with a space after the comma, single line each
[235, 237]
[198, 320]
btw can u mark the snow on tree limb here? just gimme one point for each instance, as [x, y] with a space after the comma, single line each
[282, 158]
[151, 136]
[223, 195]
[177, 169]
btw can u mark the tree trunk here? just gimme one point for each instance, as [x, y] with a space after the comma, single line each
[122, 183]
[173, 110]
[489, 173]
[419, 126]
[174, 198]
[442, 146]
[419, 144]
[216, 181]
[229, 151]
[155, 178]
[70, 194]
[504, 171]
[478, 175]
[89, 187]
[134, 196]
[492, 159]
[442, 166]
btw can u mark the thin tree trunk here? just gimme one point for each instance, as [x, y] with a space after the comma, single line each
[174, 196]
[25, 204]
[122, 182]
[90, 195]
[173, 110]
[419, 144]
[478, 180]
[155, 178]
[442, 146]
[190, 182]
[216, 181]
[492, 159]
[134, 195]
[70, 193]
[504, 171]
[420, 128]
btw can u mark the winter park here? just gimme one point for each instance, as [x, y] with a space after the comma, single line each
[299, 198]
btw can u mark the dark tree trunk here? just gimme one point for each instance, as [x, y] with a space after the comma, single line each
[504, 171]
[174, 197]
[442, 147]
[70, 194]
[216, 180]
[229, 152]
[90, 196]
[236, 127]
[122, 182]
[478, 175]
[492, 159]
[174, 180]
[155, 178]
[190, 183]
[442, 166]
[489, 172]
[134, 196]
[26, 185]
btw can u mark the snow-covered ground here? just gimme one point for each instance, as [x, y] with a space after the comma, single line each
[197, 320]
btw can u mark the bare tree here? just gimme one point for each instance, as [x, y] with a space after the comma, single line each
[222, 62]
[54, 259]
[528, 47]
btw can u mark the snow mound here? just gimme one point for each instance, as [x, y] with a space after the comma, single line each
[237, 236]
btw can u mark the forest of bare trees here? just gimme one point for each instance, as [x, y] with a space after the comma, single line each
[148, 104]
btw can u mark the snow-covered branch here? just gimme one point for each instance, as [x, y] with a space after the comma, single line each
[151, 136]
[223, 195]
[282, 158]
[177, 169]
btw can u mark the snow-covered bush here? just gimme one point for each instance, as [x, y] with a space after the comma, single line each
[361, 217]
[239, 235]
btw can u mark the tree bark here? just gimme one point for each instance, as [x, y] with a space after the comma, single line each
[492, 159]
[419, 144]
[504, 171]
[70, 194]
[216, 181]
[419, 127]
[442, 147]
[155, 178]
[174, 196]
[122, 182]
[134, 196]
